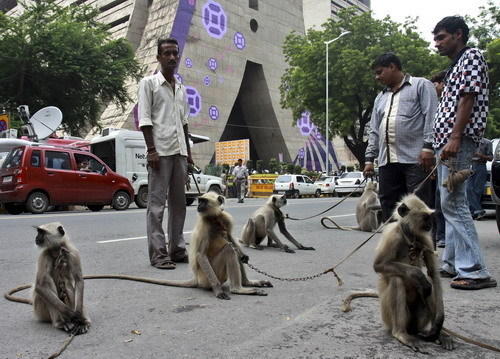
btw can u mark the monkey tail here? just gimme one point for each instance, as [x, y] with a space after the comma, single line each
[346, 304]
[192, 283]
[10, 297]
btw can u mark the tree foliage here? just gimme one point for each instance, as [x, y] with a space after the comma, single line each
[62, 56]
[352, 86]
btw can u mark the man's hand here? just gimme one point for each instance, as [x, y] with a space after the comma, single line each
[450, 150]
[153, 159]
[369, 170]
[190, 159]
[426, 160]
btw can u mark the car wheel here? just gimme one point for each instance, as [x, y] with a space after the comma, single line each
[13, 208]
[141, 200]
[95, 207]
[121, 201]
[318, 193]
[189, 201]
[37, 203]
[215, 189]
[296, 194]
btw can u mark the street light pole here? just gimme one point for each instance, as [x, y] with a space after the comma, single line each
[327, 99]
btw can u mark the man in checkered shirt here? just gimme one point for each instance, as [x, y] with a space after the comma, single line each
[458, 128]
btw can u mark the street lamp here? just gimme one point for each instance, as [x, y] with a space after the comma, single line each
[326, 76]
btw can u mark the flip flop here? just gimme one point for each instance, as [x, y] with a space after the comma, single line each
[445, 274]
[164, 265]
[473, 284]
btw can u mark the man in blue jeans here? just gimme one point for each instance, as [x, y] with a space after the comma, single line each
[458, 128]
[475, 183]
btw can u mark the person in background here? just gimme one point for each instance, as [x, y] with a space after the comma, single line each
[240, 174]
[476, 182]
[440, 227]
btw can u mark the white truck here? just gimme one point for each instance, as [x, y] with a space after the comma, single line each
[124, 151]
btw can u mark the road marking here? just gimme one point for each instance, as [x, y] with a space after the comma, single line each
[128, 239]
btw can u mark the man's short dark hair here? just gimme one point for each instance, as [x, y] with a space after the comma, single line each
[385, 60]
[439, 77]
[451, 24]
[166, 40]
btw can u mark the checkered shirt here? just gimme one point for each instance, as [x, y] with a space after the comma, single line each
[468, 75]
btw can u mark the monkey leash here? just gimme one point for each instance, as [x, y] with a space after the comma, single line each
[328, 209]
[346, 307]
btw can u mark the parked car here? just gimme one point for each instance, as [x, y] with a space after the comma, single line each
[296, 186]
[327, 184]
[124, 151]
[34, 177]
[349, 182]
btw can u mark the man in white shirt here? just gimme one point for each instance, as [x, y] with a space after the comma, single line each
[163, 119]
[240, 174]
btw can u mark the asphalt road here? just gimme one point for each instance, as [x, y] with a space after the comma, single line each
[298, 319]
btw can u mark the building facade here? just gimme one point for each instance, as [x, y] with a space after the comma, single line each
[232, 63]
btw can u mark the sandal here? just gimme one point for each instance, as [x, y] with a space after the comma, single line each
[445, 274]
[473, 284]
[164, 265]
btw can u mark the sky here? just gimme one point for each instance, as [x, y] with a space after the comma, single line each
[428, 11]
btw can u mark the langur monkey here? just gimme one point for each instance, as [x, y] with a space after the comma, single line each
[214, 255]
[368, 212]
[58, 291]
[262, 222]
[411, 300]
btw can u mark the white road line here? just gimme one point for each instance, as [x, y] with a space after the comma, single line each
[128, 239]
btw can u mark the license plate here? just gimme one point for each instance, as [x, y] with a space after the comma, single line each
[281, 192]
[7, 179]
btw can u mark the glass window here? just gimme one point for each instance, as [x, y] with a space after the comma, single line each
[57, 160]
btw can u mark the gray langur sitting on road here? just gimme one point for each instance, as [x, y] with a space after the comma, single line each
[368, 212]
[58, 292]
[262, 222]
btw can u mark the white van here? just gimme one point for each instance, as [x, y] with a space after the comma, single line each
[124, 151]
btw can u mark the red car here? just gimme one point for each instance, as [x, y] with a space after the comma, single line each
[34, 177]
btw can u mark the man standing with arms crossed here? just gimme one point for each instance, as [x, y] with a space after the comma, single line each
[459, 126]
[163, 119]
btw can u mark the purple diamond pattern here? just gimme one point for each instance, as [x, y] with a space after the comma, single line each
[194, 100]
[214, 19]
[239, 41]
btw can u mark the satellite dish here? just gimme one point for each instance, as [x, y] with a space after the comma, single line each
[46, 121]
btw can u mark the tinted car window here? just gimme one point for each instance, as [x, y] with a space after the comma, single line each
[14, 158]
[352, 175]
[35, 158]
[300, 179]
[57, 160]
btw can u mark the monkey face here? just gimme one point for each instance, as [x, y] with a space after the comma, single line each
[279, 201]
[40, 237]
[210, 204]
[415, 214]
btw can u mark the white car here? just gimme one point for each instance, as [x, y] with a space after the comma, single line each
[205, 183]
[349, 182]
[327, 184]
[296, 186]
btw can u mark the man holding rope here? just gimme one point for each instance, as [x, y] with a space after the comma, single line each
[401, 134]
[459, 126]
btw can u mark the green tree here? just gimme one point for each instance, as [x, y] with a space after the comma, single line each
[62, 56]
[352, 86]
